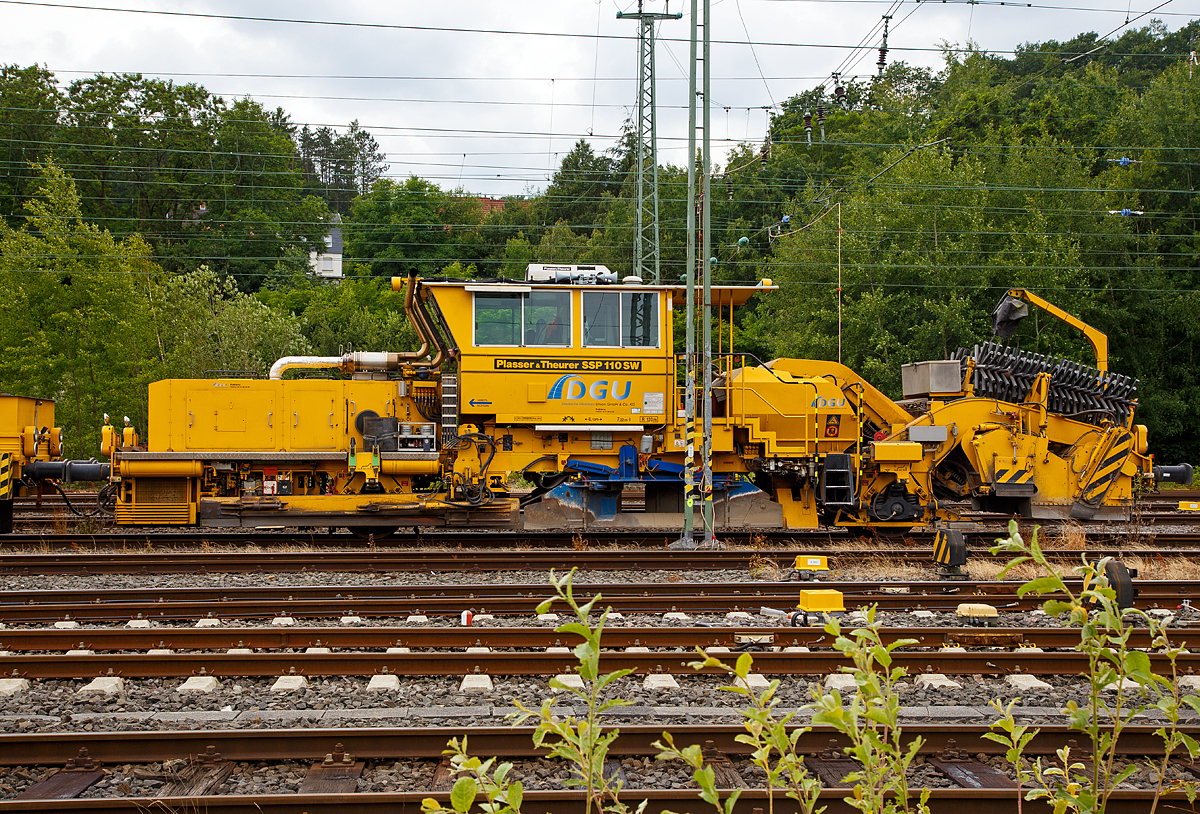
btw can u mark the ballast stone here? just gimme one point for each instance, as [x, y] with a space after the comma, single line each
[738, 615]
[923, 614]
[205, 684]
[676, 616]
[547, 617]
[289, 684]
[937, 681]
[12, 686]
[103, 685]
[1026, 682]
[351, 620]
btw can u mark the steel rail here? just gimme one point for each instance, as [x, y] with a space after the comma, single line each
[29, 640]
[357, 663]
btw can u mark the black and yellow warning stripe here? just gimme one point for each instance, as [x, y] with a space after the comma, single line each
[941, 548]
[1013, 476]
[6, 459]
[1104, 474]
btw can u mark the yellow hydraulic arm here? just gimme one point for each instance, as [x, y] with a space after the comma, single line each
[1098, 340]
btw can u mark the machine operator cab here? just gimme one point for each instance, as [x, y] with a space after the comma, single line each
[570, 348]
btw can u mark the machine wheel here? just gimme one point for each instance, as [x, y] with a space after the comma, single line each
[378, 532]
[6, 516]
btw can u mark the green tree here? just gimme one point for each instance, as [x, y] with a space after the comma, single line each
[30, 105]
[398, 225]
[76, 325]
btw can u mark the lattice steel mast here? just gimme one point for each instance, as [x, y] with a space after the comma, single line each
[646, 254]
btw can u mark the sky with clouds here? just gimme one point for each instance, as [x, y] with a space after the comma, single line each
[488, 95]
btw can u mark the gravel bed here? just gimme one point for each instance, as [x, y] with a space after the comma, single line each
[640, 773]
[58, 582]
[53, 705]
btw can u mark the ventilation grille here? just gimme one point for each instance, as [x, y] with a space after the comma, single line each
[160, 490]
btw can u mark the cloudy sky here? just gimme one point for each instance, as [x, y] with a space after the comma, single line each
[490, 94]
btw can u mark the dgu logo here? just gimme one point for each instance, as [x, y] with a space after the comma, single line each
[571, 388]
[821, 402]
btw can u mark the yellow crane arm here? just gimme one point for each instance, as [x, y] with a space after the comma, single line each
[1097, 339]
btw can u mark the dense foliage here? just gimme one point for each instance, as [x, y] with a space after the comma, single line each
[892, 228]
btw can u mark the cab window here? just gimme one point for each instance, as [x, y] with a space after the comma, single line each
[534, 319]
[625, 319]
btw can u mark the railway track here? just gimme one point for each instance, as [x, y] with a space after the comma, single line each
[100, 640]
[483, 561]
[218, 751]
[175, 604]
[122, 541]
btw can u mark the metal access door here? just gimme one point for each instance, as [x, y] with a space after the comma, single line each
[314, 415]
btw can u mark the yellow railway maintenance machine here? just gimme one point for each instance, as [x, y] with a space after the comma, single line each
[31, 450]
[570, 380]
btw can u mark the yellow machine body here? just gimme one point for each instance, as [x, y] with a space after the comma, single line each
[575, 387]
[820, 600]
[27, 434]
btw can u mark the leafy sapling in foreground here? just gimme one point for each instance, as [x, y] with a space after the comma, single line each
[773, 745]
[475, 776]
[1015, 738]
[1105, 631]
[871, 721]
[582, 741]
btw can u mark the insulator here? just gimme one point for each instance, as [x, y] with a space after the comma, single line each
[821, 113]
[882, 63]
[808, 119]
[729, 186]
[839, 92]
[763, 156]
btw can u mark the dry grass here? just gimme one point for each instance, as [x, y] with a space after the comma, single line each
[877, 566]
[763, 568]
[1067, 537]
[985, 569]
